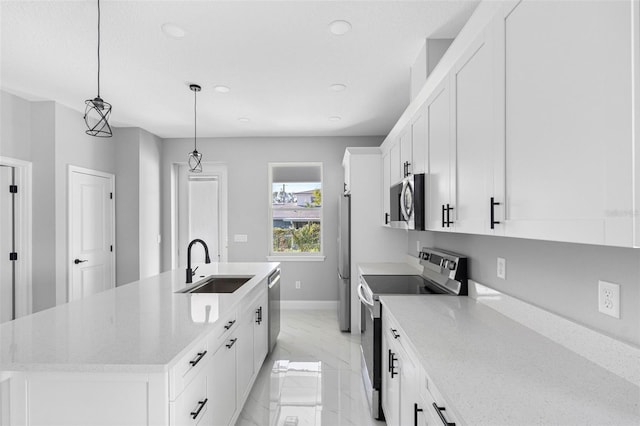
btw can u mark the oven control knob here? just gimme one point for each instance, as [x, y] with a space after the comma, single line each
[451, 265]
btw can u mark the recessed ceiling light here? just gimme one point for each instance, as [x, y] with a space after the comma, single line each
[243, 120]
[340, 27]
[221, 89]
[173, 31]
[338, 87]
[335, 118]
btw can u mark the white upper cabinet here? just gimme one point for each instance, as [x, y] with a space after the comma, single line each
[419, 142]
[386, 185]
[406, 152]
[441, 160]
[529, 124]
[476, 135]
[396, 167]
[569, 142]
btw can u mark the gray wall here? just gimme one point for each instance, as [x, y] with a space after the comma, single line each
[15, 133]
[51, 137]
[127, 207]
[73, 147]
[43, 205]
[149, 201]
[559, 277]
[248, 200]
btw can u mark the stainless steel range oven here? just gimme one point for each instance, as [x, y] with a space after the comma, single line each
[443, 273]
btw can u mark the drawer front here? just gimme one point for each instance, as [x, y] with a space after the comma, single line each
[188, 367]
[223, 329]
[435, 405]
[193, 406]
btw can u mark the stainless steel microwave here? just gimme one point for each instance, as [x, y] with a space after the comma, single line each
[408, 203]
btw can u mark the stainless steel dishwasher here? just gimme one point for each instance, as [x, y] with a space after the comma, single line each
[274, 308]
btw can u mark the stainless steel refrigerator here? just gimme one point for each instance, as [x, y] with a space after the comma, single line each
[344, 263]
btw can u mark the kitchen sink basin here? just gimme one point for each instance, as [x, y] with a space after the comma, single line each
[218, 284]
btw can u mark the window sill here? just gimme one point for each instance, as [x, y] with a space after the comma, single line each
[310, 258]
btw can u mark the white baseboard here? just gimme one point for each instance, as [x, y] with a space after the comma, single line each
[614, 355]
[309, 304]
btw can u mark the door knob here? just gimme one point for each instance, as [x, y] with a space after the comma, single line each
[79, 261]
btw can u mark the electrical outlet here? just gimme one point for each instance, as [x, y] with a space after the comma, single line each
[298, 285]
[609, 298]
[501, 270]
[418, 246]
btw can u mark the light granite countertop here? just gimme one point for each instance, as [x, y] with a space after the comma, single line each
[138, 327]
[491, 370]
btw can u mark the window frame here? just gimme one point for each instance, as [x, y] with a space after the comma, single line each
[292, 256]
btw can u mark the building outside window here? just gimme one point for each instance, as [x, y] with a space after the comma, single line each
[296, 209]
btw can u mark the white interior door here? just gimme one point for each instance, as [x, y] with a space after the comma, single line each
[7, 245]
[91, 232]
[199, 215]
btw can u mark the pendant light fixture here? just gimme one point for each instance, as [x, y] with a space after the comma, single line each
[195, 158]
[97, 111]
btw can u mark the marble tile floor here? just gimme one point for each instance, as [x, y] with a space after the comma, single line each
[312, 378]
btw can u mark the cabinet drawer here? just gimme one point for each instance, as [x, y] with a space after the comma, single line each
[187, 368]
[193, 406]
[222, 330]
[430, 395]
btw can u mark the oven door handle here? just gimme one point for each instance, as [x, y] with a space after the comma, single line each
[362, 297]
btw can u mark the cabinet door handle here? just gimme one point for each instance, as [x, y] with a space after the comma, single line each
[395, 334]
[201, 404]
[392, 365]
[443, 225]
[408, 165]
[404, 169]
[493, 221]
[229, 324]
[197, 359]
[389, 361]
[449, 221]
[259, 315]
[231, 343]
[416, 410]
[386, 218]
[439, 410]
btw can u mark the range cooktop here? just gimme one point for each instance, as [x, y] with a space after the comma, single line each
[400, 284]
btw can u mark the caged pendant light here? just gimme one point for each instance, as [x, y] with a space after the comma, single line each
[195, 158]
[97, 111]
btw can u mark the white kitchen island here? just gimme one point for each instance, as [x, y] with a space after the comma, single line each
[138, 354]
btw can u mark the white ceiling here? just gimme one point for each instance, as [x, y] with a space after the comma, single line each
[278, 58]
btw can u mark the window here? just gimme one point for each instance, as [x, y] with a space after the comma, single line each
[295, 208]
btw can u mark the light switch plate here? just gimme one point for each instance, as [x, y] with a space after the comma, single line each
[240, 238]
[609, 298]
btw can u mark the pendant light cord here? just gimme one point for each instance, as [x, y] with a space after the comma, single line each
[98, 48]
[195, 121]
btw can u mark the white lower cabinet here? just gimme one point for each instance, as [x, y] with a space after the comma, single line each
[224, 385]
[260, 331]
[408, 395]
[193, 406]
[244, 352]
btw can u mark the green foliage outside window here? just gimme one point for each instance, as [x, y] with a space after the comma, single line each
[305, 239]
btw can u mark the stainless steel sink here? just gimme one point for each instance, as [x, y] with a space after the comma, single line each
[218, 284]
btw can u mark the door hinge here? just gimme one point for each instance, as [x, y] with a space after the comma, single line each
[111, 195]
[13, 256]
[13, 189]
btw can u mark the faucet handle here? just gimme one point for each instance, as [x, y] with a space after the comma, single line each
[194, 271]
